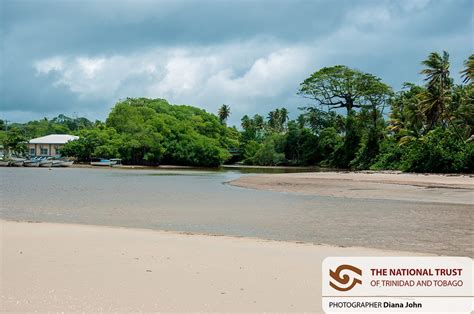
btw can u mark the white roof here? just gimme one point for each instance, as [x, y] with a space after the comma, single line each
[54, 139]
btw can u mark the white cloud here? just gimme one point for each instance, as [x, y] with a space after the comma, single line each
[90, 66]
[237, 75]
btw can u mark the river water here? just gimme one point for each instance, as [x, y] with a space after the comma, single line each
[200, 202]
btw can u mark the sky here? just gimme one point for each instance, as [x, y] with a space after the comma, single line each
[80, 57]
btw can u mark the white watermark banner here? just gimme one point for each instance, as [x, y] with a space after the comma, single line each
[397, 284]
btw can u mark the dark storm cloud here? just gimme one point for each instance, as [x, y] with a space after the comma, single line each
[97, 40]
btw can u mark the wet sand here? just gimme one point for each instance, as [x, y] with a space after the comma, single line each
[449, 189]
[63, 267]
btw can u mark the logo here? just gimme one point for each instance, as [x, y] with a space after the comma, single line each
[340, 279]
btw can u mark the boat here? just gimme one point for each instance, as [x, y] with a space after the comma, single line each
[104, 162]
[48, 162]
[31, 162]
[62, 163]
[17, 162]
[116, 162]
[66, 163]
[4, 162]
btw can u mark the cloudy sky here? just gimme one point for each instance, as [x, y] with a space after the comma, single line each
[80, 57]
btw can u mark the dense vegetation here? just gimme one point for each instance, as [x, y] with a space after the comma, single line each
[354, 121]
[145, 131]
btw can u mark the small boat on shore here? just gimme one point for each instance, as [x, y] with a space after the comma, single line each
[116, 162]
[4, 162]
[66, 163]
[61, 163]
[48, 162]
[32, 162]
[105, 162]
[17, 162]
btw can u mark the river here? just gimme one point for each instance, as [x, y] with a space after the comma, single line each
[198, 201]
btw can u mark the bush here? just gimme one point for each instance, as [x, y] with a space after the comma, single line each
[267, 155]
[439, 151]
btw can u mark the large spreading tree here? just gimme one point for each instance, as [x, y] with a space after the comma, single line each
[342, 87]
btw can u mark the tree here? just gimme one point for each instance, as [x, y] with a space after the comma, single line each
[406, 119]
[272, 119]
[336, 87]
[342, 87]
[246, 122]
[438, 89]
[277, 119]
[283, 117]
[371, 116]
[468, 72]
[224, 113]
[15, 141]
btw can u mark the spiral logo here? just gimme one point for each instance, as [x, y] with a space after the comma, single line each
[341, 280]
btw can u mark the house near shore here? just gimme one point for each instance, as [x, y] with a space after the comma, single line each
[49, 145]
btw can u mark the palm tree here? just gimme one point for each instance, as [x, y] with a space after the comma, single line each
[277, 117]
[258, 120]
[223, 113]
[272, 117]
[259, 125]
[283, 116]
[468, 72]
[438, 85]
[246, 122]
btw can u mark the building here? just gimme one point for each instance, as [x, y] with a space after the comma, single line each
[49, 145]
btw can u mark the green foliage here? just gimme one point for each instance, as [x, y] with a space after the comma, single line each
[269, 153]
[389, 156]
[250, 150]
[277, 120]
[301, 146]
[254, 129]
[58, 125]
[14, 141]
[151, 131]
[97, 142]
[435, 100]
[440, 151]
[468, 72]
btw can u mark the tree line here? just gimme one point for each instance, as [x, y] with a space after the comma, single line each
[353, 121]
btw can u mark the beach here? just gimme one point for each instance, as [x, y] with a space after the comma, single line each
[115, 240]
[428, 188]
[67, 267]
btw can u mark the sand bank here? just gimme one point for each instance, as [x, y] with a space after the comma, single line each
[59, 267]
[454, 189]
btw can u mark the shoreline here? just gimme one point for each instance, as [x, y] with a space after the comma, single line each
[427, 188]
[297, 169]
[226, 237]
[98, 268]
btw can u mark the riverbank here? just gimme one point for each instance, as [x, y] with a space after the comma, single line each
[431, 188]
[63, 267]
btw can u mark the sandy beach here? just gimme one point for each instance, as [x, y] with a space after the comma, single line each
[61, 267]
[431, 188]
